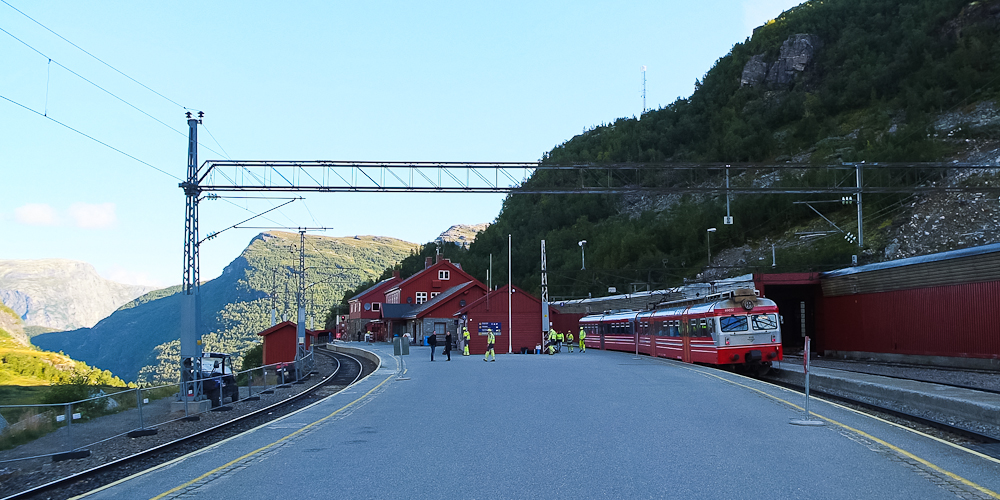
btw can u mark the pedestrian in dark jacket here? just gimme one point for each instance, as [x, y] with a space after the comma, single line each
[447, 346]
[432, 341]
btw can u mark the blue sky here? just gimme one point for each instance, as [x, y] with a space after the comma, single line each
[377, 80]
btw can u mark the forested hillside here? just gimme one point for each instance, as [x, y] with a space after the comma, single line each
[826, 82]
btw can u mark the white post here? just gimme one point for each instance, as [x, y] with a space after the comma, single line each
[510, 305]
[805, 368]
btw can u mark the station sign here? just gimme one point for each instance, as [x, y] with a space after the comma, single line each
[486, 327]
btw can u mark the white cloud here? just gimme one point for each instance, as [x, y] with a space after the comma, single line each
[36, 214]
[93, 216]
[758, 12]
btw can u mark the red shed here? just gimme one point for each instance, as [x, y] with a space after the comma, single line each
[280, 342]
[525, 315]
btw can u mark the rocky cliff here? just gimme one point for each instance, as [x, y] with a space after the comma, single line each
[793, 58]
[61, 294]
[462, 234]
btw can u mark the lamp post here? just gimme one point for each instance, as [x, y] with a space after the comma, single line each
[708, 244]
[583, 257]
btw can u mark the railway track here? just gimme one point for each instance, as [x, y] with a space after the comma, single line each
[984, 443]
[841, 366]
[348, 370]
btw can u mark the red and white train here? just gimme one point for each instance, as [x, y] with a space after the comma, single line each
[732, 328]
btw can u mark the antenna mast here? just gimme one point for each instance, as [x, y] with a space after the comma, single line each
[643, 68]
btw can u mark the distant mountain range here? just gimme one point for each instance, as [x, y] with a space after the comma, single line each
[139, 341]
[61, 294]
[462, 234]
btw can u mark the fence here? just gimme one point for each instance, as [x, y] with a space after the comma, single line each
[68, 430]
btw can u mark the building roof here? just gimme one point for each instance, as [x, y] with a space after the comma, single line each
[502, 292]
[373, 288]
[434, 302]
[909, 261]
[427, 269]
[395, 311]
[281, 326]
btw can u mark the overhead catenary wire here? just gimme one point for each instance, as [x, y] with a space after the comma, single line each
[98, 59]
[112, 94]
[92, 138]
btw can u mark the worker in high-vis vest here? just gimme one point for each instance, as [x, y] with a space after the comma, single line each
[490, 340]
[560, 338]
[583, 335]
[465, 341]
[569, 341]
[552, 341]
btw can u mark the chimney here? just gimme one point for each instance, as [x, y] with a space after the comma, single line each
[437, 259]
[395, 274]
[428, 261]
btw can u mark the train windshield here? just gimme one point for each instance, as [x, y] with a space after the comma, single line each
[764, 321]
[733, 323]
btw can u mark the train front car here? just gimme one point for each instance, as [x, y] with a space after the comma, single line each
[747, 331]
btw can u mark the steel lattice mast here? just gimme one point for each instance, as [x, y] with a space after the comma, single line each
[191, 300]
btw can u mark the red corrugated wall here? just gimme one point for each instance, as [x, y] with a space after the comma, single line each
[526, 317]
[279, 346]
[956, 320]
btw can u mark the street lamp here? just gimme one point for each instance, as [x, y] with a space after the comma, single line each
[583, 257]
[708, 244]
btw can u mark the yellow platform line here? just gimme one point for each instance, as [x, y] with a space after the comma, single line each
[864, 434]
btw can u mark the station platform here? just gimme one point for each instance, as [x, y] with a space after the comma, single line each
[599, 424]
[971, 408]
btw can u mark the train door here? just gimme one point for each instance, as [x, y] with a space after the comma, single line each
[602, 329]
[654, 329]
[686, 338]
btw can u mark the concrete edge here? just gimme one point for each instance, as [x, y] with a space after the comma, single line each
[964, 408]
[361, 353]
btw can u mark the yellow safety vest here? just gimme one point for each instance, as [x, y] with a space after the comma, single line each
[569, 337]
[561, 337]
[552, 334]
[583, 334]
[491, 339]
[465, 334]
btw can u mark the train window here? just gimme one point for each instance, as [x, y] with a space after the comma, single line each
[675, 328]
[733, 323]
[764, 321]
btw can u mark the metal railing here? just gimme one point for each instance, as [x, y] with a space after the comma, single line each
[68, 430]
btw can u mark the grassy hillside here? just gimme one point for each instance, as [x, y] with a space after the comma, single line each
[23, 365]
[139, 341]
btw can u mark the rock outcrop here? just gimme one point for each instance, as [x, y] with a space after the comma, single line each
[462, 234]
[794, 57]
[61, 294]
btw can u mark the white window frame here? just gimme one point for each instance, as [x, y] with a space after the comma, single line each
[444, 274]
[376, 306]
[435, 294]
[420, 297]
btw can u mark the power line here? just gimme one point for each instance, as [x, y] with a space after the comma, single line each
[95, 57]
[112, 94]
[92, 138]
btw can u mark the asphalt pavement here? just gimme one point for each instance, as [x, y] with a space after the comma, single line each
[595, 425]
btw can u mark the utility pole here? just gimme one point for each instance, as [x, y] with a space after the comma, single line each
[545, 295]
[861, 236]
[191, 300]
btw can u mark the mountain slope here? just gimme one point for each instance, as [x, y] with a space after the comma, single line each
[140, 337]
[21, 364]
[61, 294]
[829, 81]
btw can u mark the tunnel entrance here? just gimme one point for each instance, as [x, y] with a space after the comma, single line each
[799, 299]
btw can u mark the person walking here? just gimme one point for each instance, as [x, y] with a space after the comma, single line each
[583, 335]
[560, 338]
[490, 340]
[569, 341]
[447, 345]
[432, 341]
[552, 338]
[465, 340]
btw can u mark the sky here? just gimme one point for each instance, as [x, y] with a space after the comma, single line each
[91, 153]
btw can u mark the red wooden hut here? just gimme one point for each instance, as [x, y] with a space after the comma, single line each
[280, 342]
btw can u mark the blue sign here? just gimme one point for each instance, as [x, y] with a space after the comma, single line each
[486, 328]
